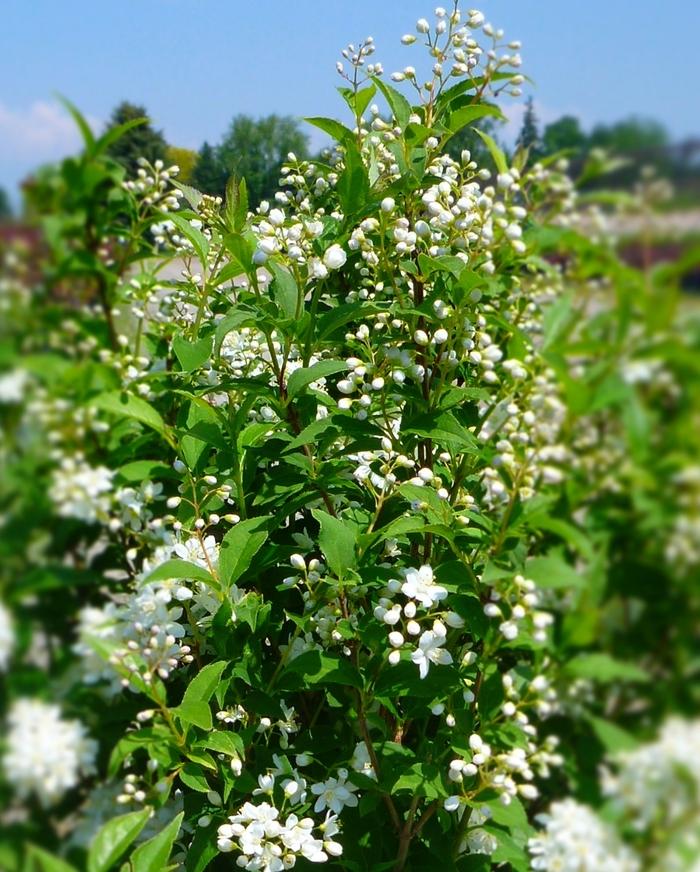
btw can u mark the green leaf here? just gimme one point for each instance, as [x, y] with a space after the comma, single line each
[141, 470]
[192, 195]
[154, 854]
[364, 97]
[552, 571]
[399, 105]
[284, 289]
[229, 743]
[338, 131]
[112, 134]
[445, 430]
[197, 239]
[421, 779]
[205, 682]
[84, 127]
[446, 263]
[496, 153]
[131, 407]
[181, 569]
[37, 860]
[612, 737]
[467, 115]
[192, 776]
[512, 815]
[192, 355]
[236, 208]
[300, 378]
[312, 432]
[337, 540]
[318, 668]
[195, 712]
[360, 100]
[201, 850]
[239, 546]
[353, 184]
[602, 667]
[114, 838]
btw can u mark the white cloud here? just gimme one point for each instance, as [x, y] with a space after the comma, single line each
[39, 132]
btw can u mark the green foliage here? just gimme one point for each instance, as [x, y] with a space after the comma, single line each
[564, 134]
[377, 503]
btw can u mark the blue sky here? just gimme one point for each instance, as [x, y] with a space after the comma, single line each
[195, 63]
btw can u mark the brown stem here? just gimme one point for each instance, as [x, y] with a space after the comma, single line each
[374, 760]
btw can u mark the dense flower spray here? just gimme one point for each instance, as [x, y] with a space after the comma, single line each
[324, 561]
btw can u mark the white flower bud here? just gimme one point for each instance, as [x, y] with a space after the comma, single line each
[298, 562]
[420, 337]
[334, 257]
[451, 804]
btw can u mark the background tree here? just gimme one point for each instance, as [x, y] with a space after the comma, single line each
[632, 135]
[208, 174]
[253, 149]
[642, 141]
[529, 136]
[141, 141]
[5, 205]
[186, 159]
[564, 133]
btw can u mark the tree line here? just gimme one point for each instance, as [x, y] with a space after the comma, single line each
[255, 149]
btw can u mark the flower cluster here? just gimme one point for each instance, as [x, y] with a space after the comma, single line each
[45, 755]
[343, 494]
[574, 839]
[265, 843]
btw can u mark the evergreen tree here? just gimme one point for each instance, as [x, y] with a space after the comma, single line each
[5, 205]
[140, 141]
[529, 136]
[208, 174]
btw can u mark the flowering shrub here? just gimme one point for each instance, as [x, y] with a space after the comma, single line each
[334, 529]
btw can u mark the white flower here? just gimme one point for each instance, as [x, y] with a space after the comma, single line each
[361, 762]
[334, 257]
[7, 637]
[420, 585]
[203, 553]
[574, 839]
[80, 491]
[659, 778]
[267, 844]
[430, 650]
[13, 385]
[334, 793]
[45, 755]
[96, 625]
